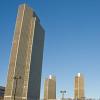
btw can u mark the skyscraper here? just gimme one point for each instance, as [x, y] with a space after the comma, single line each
[50, 88]
[25, 66]
[79, 87]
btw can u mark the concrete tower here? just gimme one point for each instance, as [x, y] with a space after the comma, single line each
[79, 87]
[25, 66]
[50, 88]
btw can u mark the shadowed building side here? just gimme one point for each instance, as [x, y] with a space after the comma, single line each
[36, 62]
[26, 57]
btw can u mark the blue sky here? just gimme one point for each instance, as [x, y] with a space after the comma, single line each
[72, 41]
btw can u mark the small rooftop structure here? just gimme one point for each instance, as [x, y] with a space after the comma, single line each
[78, 74]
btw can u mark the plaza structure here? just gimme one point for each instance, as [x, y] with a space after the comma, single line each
[50, 88]
[25, 66]
[79, 87]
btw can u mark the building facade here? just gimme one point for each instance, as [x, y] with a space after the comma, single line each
[25, 66]
[50, 88]
[2, 91]
[79, 87]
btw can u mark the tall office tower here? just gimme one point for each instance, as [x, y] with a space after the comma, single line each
[24, 76]
[79, 87]
[50, 88]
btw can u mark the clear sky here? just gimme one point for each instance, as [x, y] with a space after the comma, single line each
[72, 41]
